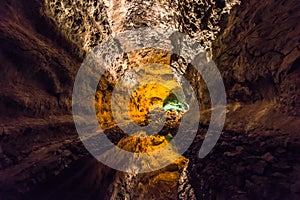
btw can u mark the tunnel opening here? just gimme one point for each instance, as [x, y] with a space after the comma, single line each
[172, 103]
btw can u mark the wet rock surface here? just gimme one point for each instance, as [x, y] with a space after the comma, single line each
[246, 167]
[239, 167]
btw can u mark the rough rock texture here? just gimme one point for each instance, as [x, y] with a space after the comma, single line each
[202, 19]
[259, 54]
[159, 184]
[261, 65]
[37, 72]
[84, 23]
[245, 166]
[256, 48]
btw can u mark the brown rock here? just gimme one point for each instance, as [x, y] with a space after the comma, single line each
[259, 167]
[67, 153]
[268, 157]
[239, 149]
[280, 150]
[279, 175]
[296, 187]
[230, 154]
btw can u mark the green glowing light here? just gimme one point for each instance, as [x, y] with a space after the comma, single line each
[172, 103]
[178, 106]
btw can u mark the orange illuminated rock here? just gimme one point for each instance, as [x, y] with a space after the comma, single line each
[150, 78]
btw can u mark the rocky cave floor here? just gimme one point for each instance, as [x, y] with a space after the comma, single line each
[241, 166]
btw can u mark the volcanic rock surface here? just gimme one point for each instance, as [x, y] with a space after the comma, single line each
[255, 46]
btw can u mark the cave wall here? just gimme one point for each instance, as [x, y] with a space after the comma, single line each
[258, 53]
[203, 20]
[37, 71]
[258, 56]
[247, 80]
[86, 23]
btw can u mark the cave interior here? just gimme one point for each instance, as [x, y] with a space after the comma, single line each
[256, 48]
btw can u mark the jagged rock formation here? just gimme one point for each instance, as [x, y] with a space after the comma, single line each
[255, 46]
[36, 82]
[159, 184]
[264, 56]
[86, 23]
